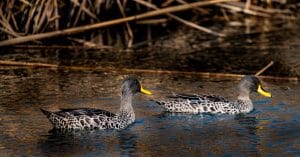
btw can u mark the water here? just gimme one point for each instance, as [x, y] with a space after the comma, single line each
[271, 129]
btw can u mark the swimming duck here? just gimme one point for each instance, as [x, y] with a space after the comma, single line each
[216, 104]
[90, 119]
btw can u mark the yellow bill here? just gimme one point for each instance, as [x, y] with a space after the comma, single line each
[263, 92]
[145, 91]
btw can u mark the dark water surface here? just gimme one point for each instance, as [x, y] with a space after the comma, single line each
[183, 51]
[272, 129]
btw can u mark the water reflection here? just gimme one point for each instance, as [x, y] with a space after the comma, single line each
[249, 125]
[128, 143]
[85, 143]
[249, 122]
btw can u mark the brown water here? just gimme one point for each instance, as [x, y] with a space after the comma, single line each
[271, 129]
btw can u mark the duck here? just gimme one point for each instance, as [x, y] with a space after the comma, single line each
[92, 119]
[214, 104]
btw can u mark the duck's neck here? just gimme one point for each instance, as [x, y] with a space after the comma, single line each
[245, 103]
[126, 109]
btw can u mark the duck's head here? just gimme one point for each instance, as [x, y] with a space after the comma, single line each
[250, 84]
[131, 85]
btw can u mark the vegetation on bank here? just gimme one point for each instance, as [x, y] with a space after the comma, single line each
[120, 23]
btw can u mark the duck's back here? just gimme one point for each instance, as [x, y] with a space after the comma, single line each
[84, 112]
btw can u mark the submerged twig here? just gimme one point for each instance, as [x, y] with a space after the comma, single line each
[74, 47]
[28, 64]
[145, 71]
[88, 44]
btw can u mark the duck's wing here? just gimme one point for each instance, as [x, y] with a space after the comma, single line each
[84, 112]
[81, 118]
[199, 97]
[192, 103]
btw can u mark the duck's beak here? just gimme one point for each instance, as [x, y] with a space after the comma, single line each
[261, 91]
[145, 91]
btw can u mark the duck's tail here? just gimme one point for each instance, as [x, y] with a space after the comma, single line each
[47, 113]
[54, 119]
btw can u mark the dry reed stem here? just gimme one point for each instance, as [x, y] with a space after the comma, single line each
[85, 43]
[167, 3]
[30, 16]
[200, 10]
[46, 16]
[14, 63]
[149, 30]
[14, 22]
[9, 32]
[152, 21]
[6, 25]
[240, 9]
[129, 31]
[7, 28]
[84, 9]
[81, 6]
[260, 9]
[38, 17]
[264, 68]
[248, 4]
[188, 23]
[77, 47]
[26, 2]
[72, 12]
[145, 71]
[108, 23]
[225, 15]
[10, 15]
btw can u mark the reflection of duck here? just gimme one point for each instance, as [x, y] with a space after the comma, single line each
[217, 104]
[87, 118]
[128, 142]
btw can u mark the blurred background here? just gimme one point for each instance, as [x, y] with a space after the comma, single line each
[239, 37]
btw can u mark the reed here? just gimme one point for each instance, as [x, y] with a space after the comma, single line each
[40, 20]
